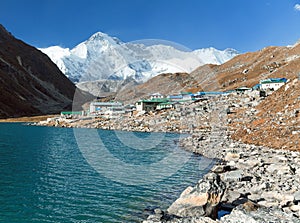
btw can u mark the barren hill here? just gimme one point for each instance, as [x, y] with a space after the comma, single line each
[247, 69]
[243, 70]
[30, 83]
[164, 83]
[275, 122]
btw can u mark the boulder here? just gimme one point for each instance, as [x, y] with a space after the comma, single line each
[202, 200]
[218, 169]
[235, 175]
[173, 219]
[297, 196]
[252, 162]
[231, 196]
[279, 168]
[254, 197]
[295, 208]
[232, 156]
[258, 215]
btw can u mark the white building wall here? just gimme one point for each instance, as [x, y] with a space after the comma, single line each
[156, 97]
[139, 106]
[92, 108]
[274, 86]
[103, 106]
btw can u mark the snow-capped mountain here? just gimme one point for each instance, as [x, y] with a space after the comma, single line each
[103, 57]
[56, 54]
[214, 56]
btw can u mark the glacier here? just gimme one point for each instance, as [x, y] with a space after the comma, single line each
[103, 57]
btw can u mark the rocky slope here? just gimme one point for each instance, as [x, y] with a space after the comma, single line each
[243, 70]
[30, 83]
[163, 83]
[275, 122]
[247, 69]
[262, 185]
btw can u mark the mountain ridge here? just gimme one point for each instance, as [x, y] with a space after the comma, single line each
[104, 57]
[30, 83]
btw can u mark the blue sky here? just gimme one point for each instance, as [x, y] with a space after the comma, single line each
[246, 25]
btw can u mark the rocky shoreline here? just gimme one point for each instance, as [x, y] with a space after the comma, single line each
[255, 183]
[262, 185]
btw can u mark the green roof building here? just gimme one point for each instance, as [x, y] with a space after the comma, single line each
[150, 105]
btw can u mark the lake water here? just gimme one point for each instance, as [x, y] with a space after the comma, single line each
[46, 177]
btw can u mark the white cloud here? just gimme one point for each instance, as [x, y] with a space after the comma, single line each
[297, 7]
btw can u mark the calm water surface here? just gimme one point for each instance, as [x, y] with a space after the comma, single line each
[44, 177]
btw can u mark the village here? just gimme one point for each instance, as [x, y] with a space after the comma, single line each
[156, 102]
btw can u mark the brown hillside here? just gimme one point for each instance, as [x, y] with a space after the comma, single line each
[247, 69]
[276, 121]
[164, 83]
[30, 83]
[243, 70]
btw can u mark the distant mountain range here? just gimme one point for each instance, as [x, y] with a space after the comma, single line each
[103, 57]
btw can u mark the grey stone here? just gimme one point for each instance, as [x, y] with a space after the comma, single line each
[202, 200]
[260, 215]
[286, 199]
[252, 163]
[297, 196]
[295, 208]
[231, 196]
[254, 197]
[268, 204]
[158, 211]
[259, 188]
[235, 175]
[232, 156]
[271, 195]
[218, 169]
[279, 168]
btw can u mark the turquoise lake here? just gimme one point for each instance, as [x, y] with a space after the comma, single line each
[46, 177]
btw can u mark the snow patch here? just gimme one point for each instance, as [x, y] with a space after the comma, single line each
[80, 51]
[56, 54]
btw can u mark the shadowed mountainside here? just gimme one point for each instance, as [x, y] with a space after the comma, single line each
[30, 83]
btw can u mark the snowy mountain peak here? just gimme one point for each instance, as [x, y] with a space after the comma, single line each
[231, 51]
[103, 38]
[105, 57]
[98, 36]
